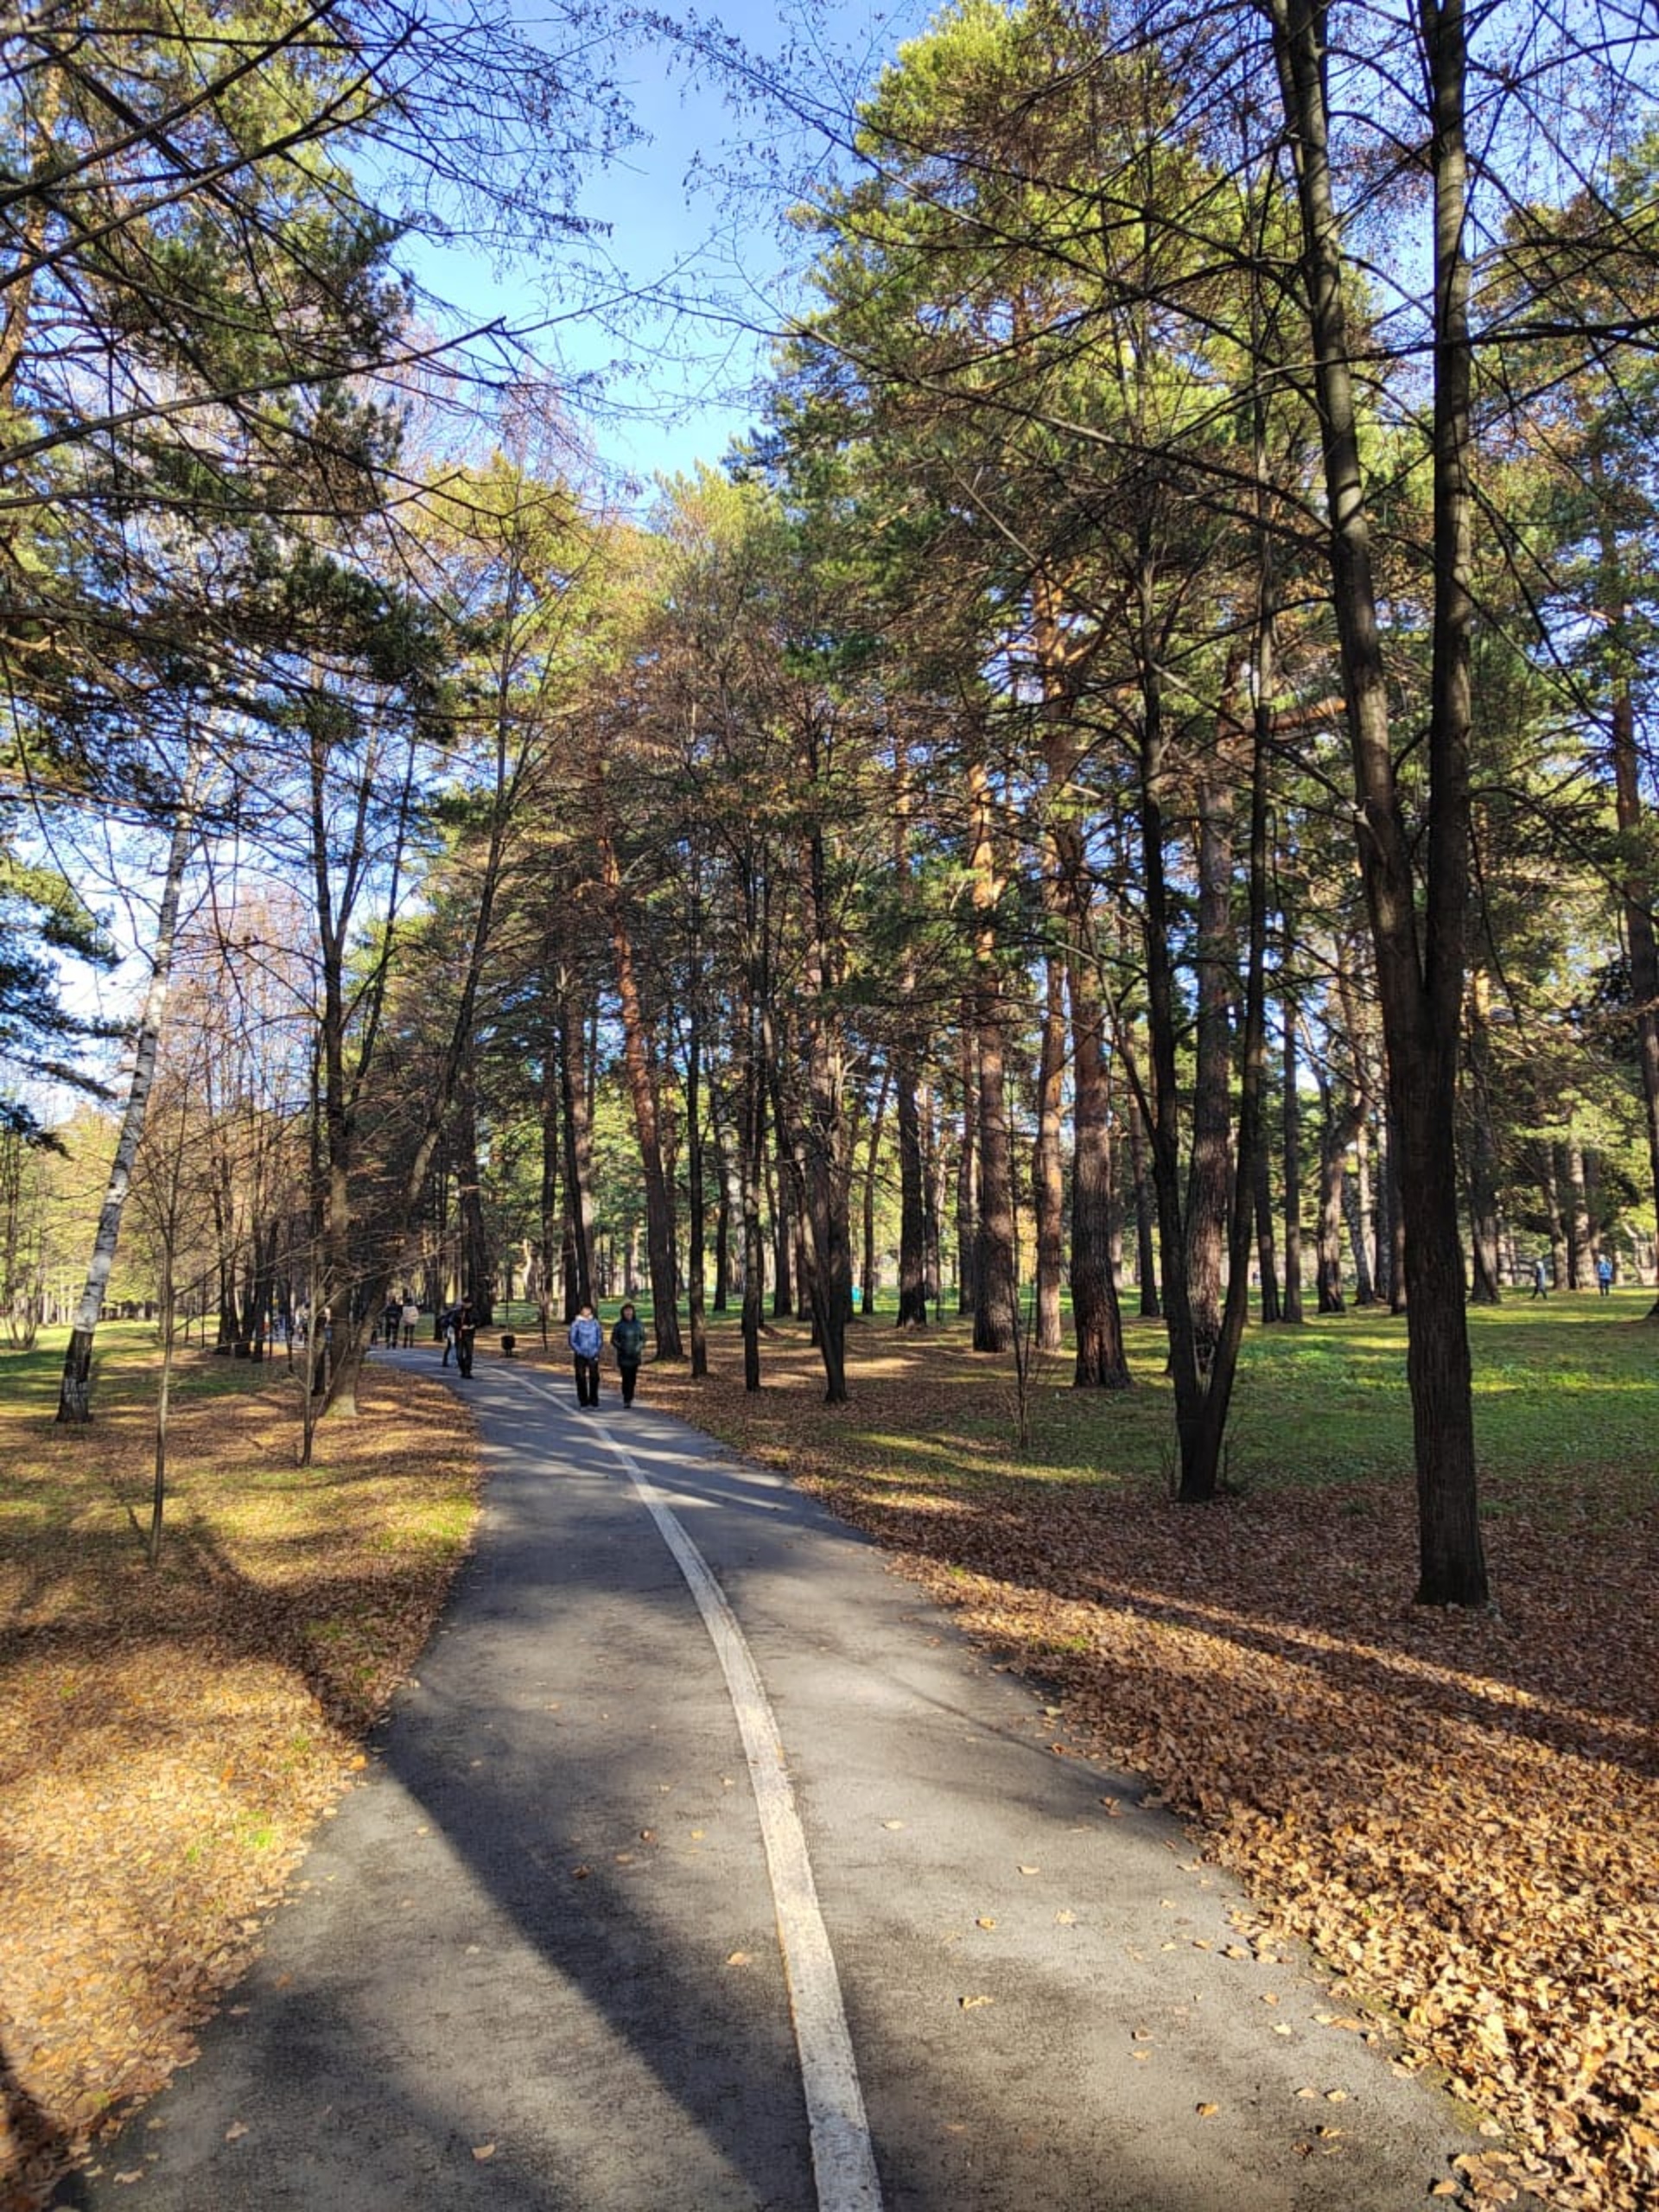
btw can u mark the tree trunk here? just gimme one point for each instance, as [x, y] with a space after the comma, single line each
[75, 1389]
[721, 1145]
[1048, 1172]
[1559, 1274]
[1480, 1149]
[552, 1121]
[912, 1201]
[1267, 1257]
[1145, 1218]
[1097, 1317]
[1420, 987]
[576, 1120]
[1291, 1125]
[477, 1261]
[696, 1265]
[868, 1285]
[1208, 1168]
[935, 1191]
[995, 1279]
[1580, 1269]
[642, 1093]
[1637, 889]
[967, 1166]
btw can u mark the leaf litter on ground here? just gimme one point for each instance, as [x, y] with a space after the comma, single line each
[1457, 1812]
[168, 1738]
[1460, 1813]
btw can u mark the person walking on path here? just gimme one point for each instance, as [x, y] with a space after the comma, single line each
[391, 1320]
[1540, 1278]
[586, 1340]
[628, 1343]
[412, 1315]
[466, 1330]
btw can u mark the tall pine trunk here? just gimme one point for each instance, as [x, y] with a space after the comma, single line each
[1419, 960]
[642, 1093]
[996, 1281]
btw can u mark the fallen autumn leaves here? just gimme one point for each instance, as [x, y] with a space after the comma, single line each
[169, 1739]
[1460, 1812]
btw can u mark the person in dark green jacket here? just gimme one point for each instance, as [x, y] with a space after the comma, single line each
[628, 1343]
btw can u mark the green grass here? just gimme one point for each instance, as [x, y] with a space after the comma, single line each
[1565, 1399]
[124, 1355]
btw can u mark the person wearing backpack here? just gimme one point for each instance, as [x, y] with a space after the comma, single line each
[628, 1343]
[586, 1340]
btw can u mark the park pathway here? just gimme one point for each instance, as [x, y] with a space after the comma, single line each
[543, 1959]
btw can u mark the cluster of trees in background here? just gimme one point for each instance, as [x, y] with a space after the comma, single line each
[1146, 752]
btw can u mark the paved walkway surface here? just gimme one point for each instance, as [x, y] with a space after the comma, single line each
[565, 1952]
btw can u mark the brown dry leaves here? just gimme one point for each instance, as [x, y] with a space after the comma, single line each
[1460, 1813]
[168, 1739]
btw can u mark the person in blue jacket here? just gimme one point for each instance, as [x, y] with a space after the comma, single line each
[586, 1340]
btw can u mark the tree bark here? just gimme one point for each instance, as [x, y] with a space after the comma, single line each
[642, 1094]
[75, 1389]
[1145, 1218]
[995, 1279]
[1421, 986]
[967, 1163]
[912, 1201]
[1097, 1316]
[1480, 1149]
[872, 1163]
[1047, 1171]
[1208, 1167]
[477, 1261]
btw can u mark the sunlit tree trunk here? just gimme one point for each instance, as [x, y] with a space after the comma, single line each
[75, 1389]
[1048, 1172]
[1480, 1150]
[995, 1273]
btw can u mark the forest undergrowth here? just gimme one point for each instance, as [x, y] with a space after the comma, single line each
[170, 1739]
[1458, 1812]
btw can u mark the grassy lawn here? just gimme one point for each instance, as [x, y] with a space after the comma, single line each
[1460, 1812]
[169, 1737]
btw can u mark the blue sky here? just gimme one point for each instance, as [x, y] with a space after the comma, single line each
[694, 231]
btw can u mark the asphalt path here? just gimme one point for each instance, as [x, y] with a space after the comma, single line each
[705, 1864]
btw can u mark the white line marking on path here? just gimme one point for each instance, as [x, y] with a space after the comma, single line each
[843, 2161]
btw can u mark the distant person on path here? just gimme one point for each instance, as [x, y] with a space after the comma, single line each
[412, 1315]
[466, 1330]
[447, 1328]
[1605, 1275]
[586, 1340]
[391, 1321]
[1540, 1278]
[628, 1343]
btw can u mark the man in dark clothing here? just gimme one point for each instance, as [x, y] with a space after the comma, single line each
[466, 1330]
[628, 1343]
